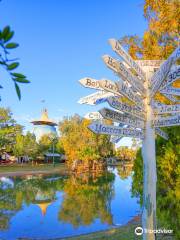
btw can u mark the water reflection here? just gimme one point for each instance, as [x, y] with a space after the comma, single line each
[84, 202]
[56, 206]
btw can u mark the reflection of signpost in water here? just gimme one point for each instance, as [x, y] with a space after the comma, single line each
[141, 113]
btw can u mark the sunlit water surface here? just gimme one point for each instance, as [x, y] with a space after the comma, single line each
[51, 206]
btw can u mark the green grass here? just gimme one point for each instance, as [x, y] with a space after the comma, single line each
[121, 233]
[32, 168]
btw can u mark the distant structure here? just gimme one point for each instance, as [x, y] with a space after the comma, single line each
[43, 200]
[44, 126]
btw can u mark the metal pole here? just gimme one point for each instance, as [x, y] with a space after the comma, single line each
[53, 154]
[149, 171]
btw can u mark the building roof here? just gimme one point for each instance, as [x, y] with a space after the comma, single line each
[44, 120]
[52, 154]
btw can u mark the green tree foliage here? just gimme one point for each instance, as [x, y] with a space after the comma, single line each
[10, 65]
[80, 143]
[168, 180]
[47, 141]
[8, 130]
[26, 145]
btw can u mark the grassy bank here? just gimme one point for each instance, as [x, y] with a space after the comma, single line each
[18, 169]
[122, 233]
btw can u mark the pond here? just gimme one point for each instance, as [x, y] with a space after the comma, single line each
[52, 206]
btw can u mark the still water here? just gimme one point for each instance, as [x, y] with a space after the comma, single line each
[51, 206]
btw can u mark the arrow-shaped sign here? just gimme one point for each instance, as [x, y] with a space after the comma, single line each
[130, 94]
[92, 98]
[124, 107]
[121, 118]
[124, 73]
[161, 74]
[93, 116]
[164, 109]
[171, 97]
[172, 76]
[116, 46]
[122, 89]
[99, 128]
[115, 139]
[161, 133]
[90, 83]
[171, 90]
[110, 86]
[167, 121]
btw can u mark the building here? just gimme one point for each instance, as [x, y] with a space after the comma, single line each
[44, 126]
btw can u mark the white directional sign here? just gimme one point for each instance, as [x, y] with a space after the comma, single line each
[122, 118]
[112, 130]
[110, 86]
[122, 89]
[164, 109]
[130, 94]
[124, 73]
[161, 133]
[124, 107]
[171, 90]
[172, 76]
[167, 121]
[90, 83]
[93, 116]
[115, 139]
[92, 98]
[116, 46]
[171, 97]
[161, 74]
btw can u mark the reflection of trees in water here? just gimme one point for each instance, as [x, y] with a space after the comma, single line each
[168, 181]
[35, 190]
[124, 170]
[86, 200]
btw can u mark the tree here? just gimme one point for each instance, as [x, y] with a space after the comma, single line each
[168, 180]
[10, 65]
[46, 143]
[162, 36]
[26, 145]
[8, 130]
[80, 143]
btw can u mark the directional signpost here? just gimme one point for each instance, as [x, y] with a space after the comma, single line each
[125, 107]
[100, 128]
[92, 98]
[142, 115]
[93, 116]
[164, 109]
[115, 139]
[171, 90]
[161, 133]
[121, 118]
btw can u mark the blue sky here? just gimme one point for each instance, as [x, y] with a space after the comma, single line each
[62, 41]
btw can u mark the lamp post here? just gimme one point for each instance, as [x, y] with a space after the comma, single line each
[53, 150]
[53, 139]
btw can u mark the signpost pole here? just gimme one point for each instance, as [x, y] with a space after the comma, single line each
[149, 170]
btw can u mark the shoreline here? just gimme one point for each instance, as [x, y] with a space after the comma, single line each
[32, 170]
